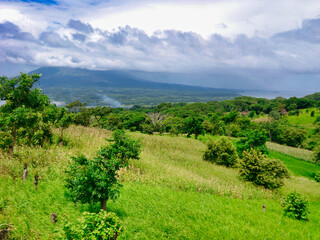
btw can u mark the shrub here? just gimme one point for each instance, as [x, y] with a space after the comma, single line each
[317, 177]
[100, 225]
[221, 152]
[295, 206]
[312, 113]
[316, 155]
[269, 173]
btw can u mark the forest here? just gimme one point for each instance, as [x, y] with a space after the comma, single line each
[246, 168]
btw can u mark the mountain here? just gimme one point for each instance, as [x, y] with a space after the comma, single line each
[128, 87]
[76, 77]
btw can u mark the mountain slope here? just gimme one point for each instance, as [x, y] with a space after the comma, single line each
[94, 87]
[76, 77]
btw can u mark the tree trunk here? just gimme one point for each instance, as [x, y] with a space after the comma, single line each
[25, 172]
[104, 204]
[14, 136]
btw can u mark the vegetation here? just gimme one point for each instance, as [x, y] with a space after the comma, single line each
[174, 179]
[256, 168]
[295, 206]
[91, 180]
[100, 225]
[222, 152]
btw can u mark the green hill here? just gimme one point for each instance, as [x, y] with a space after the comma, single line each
[170, 193]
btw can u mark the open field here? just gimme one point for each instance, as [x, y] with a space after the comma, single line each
[170, 193]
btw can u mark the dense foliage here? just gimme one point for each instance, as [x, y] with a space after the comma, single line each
[256, 168]
[295, 206]
[97, 180]
[222, 152]
[96, 226]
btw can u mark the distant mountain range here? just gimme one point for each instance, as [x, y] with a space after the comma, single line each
[128, 87]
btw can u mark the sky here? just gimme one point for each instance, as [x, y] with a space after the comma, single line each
[248, 44]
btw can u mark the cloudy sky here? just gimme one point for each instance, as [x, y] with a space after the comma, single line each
[248, 44]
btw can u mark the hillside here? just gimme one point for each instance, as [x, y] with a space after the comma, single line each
[69, 84]
[170, 193]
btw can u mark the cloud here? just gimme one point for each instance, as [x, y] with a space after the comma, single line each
[220, 37]
[80, 26]
[53, 39]
[309, 32]
[9, 30]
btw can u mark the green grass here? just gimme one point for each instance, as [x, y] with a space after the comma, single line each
[170, 193]
[297, 166]
[291, 151]
[304, 119]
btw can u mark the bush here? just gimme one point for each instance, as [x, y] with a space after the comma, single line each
[295, 206]
[316, 155]
[221, 152]
[100, 225]
[269, 173]
[317, 177]
[312, 113]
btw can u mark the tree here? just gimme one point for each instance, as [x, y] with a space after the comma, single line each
[193, 125]
[23, 107]
[92, 180]
[99, 112]
[253, 139]
[63, 121]
[76, 106]
[230, 118]
[221, 152]
[157, 120]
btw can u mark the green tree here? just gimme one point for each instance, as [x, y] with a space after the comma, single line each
[99, 112]
[23, 107]
[63, 121]
[92, 180]
[253, 139]
[193, 125]
[221, 152]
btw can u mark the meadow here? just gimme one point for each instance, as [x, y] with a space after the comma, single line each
[170, 193]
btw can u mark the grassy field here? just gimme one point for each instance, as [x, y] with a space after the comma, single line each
[304, 119]
[170, 193]
[300, 153]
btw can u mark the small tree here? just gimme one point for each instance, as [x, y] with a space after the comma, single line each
[95, 180]
[63, 121]
[256, 168]
[221, 152]
[295, 206]
[157, 121]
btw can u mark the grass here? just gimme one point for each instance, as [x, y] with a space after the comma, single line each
[300, 153]
[297, 166]
[304, 119]
[170, 193]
